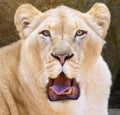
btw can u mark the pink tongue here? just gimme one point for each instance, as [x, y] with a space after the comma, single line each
[60, 90]
[61, 84]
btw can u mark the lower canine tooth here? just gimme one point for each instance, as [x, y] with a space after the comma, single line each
[68, 91]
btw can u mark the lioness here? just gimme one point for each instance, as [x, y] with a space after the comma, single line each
[56, 68]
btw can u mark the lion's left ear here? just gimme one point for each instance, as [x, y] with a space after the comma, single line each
[24, 16]
[101, 15]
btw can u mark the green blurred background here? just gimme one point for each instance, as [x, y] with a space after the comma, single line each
[111, 51]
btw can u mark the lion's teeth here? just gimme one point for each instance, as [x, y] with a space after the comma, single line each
[69, 91]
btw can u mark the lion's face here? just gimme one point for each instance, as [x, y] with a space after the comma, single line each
[62, 45]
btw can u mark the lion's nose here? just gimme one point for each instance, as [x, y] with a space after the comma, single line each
[62, 57]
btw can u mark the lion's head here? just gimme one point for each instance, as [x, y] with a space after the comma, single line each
[60, 46]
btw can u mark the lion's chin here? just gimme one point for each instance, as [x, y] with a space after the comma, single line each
[63, 88]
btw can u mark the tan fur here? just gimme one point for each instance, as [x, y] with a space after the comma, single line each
[27, 65]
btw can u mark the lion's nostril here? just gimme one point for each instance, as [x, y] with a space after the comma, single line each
[62, 57]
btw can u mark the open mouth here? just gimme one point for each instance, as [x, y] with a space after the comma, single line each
[63, 88]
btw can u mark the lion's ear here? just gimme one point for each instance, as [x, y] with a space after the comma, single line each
[24, 16]
[101, 15]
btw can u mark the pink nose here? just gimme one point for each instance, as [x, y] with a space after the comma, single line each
[62, 57]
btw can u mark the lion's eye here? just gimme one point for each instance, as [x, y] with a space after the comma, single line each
[80, 34]
[45, 34]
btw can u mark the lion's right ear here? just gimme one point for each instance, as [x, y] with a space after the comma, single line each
[24, 16]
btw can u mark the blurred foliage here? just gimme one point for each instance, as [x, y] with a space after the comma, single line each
[111, 52]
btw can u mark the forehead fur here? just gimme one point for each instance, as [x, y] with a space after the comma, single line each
[63, 16]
